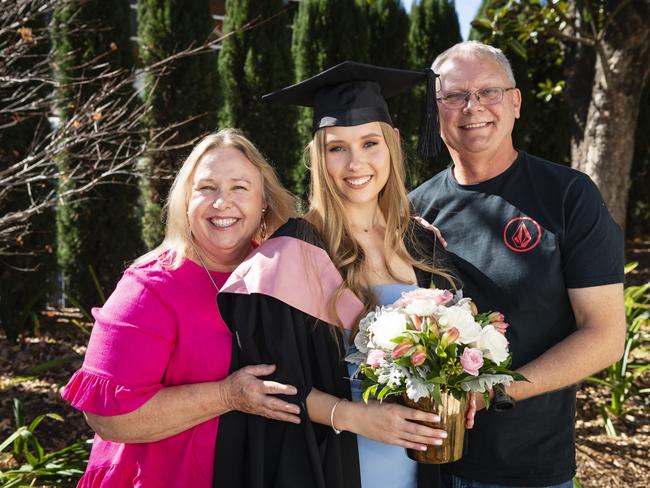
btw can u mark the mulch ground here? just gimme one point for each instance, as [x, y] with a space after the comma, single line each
[603, 461]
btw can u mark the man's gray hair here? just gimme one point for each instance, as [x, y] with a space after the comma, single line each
[475, 49]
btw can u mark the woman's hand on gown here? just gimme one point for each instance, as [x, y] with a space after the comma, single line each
[245, 391]
[389, 423]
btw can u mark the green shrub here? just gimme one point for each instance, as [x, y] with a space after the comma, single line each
[621, 377]
[59, 468]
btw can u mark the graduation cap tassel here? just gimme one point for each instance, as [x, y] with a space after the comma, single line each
[430, 141]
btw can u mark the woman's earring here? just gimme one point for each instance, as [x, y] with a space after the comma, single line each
[263, 225]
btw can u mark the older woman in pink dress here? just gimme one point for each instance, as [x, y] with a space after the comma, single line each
[155, 377]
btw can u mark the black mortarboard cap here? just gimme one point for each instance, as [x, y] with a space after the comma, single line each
[354, 93]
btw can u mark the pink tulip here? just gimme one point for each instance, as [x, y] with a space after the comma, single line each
[401, 349]
[432, 326]
[375, 357]
[471, 360]
[417, 321]
[419, 356]
[450, 336]
[500, 326]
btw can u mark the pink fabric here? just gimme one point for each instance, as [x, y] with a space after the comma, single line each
[290, 261]
[159, 328]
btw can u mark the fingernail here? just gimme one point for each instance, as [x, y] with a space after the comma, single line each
[436, 418]
[437, 442]
[443, 435]
[422, 448]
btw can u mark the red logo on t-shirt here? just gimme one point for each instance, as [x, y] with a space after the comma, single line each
[522, 234]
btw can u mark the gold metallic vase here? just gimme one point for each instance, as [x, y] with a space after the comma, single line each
[452, 420]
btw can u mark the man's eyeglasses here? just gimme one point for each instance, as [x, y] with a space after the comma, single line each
[485, 96]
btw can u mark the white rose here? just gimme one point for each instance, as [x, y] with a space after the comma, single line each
[387, 326]
[493, 344]
[463, 320]
[423, 308]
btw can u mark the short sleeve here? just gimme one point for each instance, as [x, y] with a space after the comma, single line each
[592, 244]
[129, 350]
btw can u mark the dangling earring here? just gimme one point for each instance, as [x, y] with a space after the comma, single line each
[263, 225]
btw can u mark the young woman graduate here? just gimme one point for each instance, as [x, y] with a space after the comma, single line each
[297, 300]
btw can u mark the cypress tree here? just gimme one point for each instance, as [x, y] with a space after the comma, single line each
[325, 33]
[252, 63]
[99, 232]
[389, 46]
[188, 89]
[434, 28]
[27, 265]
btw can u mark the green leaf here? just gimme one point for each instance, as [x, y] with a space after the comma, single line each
[53, 363]
[437, 396]
[19, 416]
[482, 24]
[518, 48]
[384, 391]
[630, 266]
[9, 440]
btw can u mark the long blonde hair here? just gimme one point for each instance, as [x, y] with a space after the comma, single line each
[177, 244]
[327, 214]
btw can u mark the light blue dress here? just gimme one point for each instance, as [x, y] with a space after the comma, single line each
[383, 465]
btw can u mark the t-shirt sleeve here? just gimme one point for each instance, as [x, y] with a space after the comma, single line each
[129, 350]
[592, 244]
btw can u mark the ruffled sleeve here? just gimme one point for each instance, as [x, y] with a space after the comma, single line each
[129, 351]
[102, 396]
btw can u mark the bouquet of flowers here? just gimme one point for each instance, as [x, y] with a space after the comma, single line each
[432, 342]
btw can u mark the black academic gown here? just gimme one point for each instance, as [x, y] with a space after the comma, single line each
[255, 452]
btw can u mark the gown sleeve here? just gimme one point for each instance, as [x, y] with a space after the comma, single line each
[255, 452]
[130, 347]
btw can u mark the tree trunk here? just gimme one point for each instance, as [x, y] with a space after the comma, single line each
[579, 65]
[622, 68]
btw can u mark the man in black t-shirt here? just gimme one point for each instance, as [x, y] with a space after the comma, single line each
[532, 240]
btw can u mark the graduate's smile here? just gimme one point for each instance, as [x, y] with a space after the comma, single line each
[358, 182]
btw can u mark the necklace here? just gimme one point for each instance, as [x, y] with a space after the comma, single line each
[204, 266]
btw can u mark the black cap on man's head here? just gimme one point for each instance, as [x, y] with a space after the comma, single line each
[352, 93]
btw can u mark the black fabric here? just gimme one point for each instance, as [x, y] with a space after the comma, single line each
[254, 452]
[519, 241]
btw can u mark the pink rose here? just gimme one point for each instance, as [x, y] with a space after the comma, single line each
[471, 360]
[438, 296]
[500, 326]
[401, 349]
[375, 356]
[419, 356]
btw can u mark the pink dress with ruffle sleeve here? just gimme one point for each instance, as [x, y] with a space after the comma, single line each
[159, 328]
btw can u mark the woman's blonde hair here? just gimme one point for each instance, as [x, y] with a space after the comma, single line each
[327, 214]
[177, 244]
